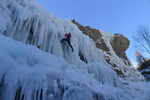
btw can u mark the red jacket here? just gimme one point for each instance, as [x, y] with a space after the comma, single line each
[67, 35]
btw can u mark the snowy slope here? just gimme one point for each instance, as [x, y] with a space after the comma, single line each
[53, 72]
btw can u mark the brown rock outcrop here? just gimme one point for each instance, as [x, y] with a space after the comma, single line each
[120, 44]
[94, 34]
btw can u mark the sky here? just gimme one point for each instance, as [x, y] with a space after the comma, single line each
[113, 16]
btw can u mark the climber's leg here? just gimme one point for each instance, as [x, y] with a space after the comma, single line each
[63, 40]
[69, 43]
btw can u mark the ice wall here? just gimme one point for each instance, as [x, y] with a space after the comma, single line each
[31, 25]
[26, 73]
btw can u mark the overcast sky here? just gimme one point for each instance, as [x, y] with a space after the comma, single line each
[114, 16]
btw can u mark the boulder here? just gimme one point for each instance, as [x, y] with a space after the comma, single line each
[120, 44]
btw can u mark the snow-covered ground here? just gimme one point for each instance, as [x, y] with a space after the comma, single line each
[35, 65]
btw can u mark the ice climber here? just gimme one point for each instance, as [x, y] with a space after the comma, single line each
[67, 39]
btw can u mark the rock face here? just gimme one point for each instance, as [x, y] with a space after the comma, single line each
[118, 42]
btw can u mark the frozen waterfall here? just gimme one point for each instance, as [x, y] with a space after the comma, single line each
[40, 67]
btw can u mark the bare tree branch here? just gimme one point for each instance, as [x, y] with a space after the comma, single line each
[143, 38]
